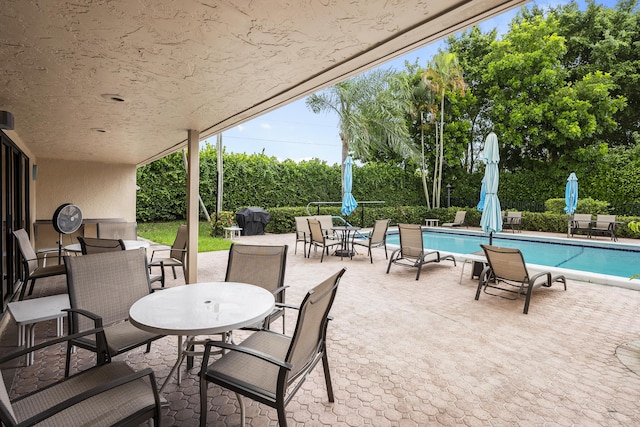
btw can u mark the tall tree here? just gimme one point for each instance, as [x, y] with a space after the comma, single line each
[536, 110]
[443, 73]
[370, 109]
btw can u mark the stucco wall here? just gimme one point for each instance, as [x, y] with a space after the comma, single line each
[100, 190]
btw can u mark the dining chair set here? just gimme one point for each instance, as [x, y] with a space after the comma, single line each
[267, 366]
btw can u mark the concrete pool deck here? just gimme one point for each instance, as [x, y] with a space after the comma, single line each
[420, 353]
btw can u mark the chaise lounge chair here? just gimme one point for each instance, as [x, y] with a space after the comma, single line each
[411, 252]
[458, 220]
[507, 273]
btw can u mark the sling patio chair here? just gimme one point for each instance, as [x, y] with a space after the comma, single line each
[376, 239]
[102, 287]
[411, 252]
[269, 367]
[91, 245]
[606, 225]
[32, 270]
[320, 239]
[107, 394]
[458, 221]
[514, 221]
[507, 273]
[176, 256]
[302, 233]
[580, 222]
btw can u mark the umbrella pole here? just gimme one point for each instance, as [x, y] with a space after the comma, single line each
[569, 225]
[491, 238]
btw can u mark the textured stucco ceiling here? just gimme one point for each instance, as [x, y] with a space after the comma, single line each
[203, 65]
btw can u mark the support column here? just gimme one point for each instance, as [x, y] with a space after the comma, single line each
[193, 185]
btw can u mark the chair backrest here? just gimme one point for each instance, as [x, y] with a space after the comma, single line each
[179, 244]
[262, 266]
[326, 222]
[506, 263]
[91, 245]
[460, 216]
[410, 240]
[379, 232]
[26, 250]
[118, 230]
[302, 227]
[315, 229]
[514, 217]
[106, 284]
[603, 221]
[582, 218]
[311, 327]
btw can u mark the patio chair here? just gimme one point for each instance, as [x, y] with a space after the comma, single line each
[604, 224]
[177, 253]
[458, 221]
[507, 273]
[262, 266]
[102, 288]
[580, 222]
[269, 367]
[513, 220]
[376, 239]
[117, 230]
[302, 233]
[319, 238]
[91, 245]
[32, 270]
[411, 252]
[105, 395]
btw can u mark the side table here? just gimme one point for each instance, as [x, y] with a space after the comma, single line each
[431, 222]
[28, 312]
[232, 232]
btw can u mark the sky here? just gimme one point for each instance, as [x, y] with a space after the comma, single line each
[295, 132]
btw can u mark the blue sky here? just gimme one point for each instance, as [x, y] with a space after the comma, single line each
[294, 132]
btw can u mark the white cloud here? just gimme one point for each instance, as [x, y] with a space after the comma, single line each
[265, 125]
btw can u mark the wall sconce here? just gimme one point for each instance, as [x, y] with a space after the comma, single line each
[6, 120]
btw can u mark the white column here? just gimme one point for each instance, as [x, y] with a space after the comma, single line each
[193, 184]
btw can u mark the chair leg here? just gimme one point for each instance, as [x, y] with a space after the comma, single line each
[203, 400]
[282, 415]
[33, 284]
[67, 365]
[327, 375]
[174, 272]
[242, 412]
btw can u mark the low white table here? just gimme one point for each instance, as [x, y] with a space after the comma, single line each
[28, 312]
[232, 232]
[200, 309]
[128, 244]
[431, 222]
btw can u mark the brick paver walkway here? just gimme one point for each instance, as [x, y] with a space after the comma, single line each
[418, 353]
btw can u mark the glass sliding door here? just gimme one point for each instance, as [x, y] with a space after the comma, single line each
[14, 208]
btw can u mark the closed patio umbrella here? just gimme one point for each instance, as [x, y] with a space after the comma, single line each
[349, 203]
[491, 220]
[571, 198]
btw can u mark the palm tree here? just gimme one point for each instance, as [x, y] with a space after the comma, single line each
[443, 73]
[371, 109]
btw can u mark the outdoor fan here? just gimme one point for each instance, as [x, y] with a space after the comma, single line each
[67, 219]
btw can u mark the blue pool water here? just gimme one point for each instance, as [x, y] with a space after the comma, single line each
[609, 259]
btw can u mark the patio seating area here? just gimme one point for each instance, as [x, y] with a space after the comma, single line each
[406, 352]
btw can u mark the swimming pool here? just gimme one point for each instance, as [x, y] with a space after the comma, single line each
[598, 262]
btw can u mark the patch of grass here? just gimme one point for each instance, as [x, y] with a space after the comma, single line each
[165, 233]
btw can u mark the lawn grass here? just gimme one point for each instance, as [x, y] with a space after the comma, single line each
[165, 233]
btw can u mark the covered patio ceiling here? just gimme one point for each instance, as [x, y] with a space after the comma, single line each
[122, 81]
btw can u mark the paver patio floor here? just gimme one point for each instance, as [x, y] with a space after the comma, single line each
[419, 353]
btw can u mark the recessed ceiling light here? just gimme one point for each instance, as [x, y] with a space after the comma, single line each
[112, 97]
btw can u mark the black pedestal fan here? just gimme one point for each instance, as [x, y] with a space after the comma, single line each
[67, 219]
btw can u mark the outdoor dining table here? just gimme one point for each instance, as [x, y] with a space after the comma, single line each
[128, 244]
[205, 308]
[345, 237]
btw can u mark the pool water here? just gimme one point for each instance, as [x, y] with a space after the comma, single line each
[610, 259]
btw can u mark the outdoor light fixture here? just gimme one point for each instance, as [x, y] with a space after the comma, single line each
[6, 120]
